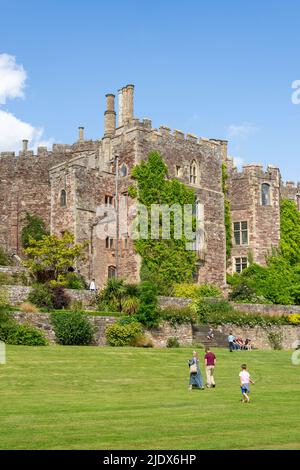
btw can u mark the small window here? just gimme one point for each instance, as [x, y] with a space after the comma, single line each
[124, 170]
[109, 243]
[109, 201]
[265, 194]
[193, 173]
[240, 230]
[111, 272]
[63, 198]
[241, 264]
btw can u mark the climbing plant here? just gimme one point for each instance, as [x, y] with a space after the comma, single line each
[227, 214]
[164, 261]
[290, 231]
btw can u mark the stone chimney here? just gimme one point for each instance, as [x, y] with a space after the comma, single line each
[25, 145]
[80, 134]
[126, 104]
[120, 107]
[110, 116]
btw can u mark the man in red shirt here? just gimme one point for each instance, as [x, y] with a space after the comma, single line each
[210, 363]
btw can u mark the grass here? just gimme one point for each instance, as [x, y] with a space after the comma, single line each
[63, 397]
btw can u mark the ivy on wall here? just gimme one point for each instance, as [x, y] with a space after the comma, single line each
[164, 262]
[227, 213]
[290, 231]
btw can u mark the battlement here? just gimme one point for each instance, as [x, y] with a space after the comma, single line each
[254, 170]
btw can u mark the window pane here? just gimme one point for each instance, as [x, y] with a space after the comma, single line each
[265, 194]
[245, 237]
[237, 238]
[238, 265]
[244, 225]
[236, 226]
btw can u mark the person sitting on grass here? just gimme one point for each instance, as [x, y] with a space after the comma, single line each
[245, 381]
[195, 373]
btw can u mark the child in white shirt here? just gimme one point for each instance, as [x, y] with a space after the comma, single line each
[245, 382]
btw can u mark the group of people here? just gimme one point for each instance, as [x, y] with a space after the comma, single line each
[210, 360]
[235, 344]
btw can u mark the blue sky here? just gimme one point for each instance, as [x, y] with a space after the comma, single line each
[220, 69]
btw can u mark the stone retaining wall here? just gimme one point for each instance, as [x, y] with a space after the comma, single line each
[12, 269]
[266, 309]
[18, 294]
[259, 335]
[159, 336]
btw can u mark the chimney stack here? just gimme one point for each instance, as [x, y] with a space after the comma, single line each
[120, 107]
[25, 145]
[125, 104]
[110, 116]
[81, 134]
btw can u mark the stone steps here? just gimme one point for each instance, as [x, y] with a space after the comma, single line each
[200, 336]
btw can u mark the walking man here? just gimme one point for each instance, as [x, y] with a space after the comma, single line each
[231, 340]
[210, 363]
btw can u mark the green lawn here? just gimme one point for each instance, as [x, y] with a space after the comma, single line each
[110, 398]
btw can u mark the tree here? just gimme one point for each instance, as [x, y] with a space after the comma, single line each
[164, 261]
[290, 231]
[34, 229]
[52, 256]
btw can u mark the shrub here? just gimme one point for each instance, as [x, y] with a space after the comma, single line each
[25, 335]
[275, 340]
[130, 305]
[72, 328]
[76, 306]
[60, 299]
[142, 341]
[28, 307]
[41, 296]
[173, 342]
[148, 313]
[294, 318]
[69, 280]
[123, 335]
[222, 312]
[194, 291]
[4, 304]
[5, 260]
[178, 316]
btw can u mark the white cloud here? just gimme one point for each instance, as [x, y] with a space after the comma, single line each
[12, 78]
[240, 131]
[13, 130]
[238, 162]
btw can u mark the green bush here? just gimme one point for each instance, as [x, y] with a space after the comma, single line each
[4, 304]
[173, 342]
[5, 260]
[194, 291]
[222, 312]
[41, 296]
[178, 316]
[275, 340]
[72, 328]
[148, 313]
[26, 335]
[123, 335]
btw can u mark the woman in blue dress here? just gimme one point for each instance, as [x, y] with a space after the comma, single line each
[195, 377]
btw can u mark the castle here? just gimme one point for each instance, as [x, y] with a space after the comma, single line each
[66, 185]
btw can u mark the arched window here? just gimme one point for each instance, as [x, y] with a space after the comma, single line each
[124, 170]
[265, 194]
[63, 198]
[193, 172]
[111, 272]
